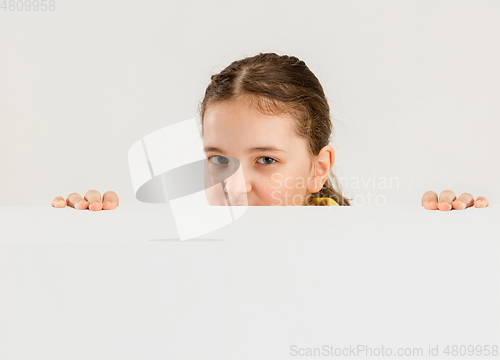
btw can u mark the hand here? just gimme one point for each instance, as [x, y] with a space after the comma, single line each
[448, 201]
[92, 197]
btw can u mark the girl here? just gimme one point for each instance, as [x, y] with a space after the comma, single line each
[270, 112]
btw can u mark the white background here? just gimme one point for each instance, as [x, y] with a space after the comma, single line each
[413, 87]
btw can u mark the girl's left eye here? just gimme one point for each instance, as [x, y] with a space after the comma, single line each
[267, 157]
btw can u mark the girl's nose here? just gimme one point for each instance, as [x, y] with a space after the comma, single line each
[237, 188]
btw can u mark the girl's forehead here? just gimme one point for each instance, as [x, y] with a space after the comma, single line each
[239, 120]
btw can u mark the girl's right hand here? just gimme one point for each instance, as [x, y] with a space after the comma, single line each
[92, 201]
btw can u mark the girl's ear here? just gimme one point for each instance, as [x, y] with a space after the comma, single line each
[322, 167]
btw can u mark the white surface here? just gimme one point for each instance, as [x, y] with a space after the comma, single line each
[412, 86]
[119, 284]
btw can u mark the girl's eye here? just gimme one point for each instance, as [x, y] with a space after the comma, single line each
[269, 159]
[219, 160]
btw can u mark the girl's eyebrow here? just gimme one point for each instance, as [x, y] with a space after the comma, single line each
[249, 151]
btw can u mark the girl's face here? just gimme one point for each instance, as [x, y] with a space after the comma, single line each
[276, 168]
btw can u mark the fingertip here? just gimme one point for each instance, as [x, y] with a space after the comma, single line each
[58, 202]
[431, 205]
[82, 205]
[108, 205]
[458, 205]
[480, 203]
[444, 206]
[95, 206]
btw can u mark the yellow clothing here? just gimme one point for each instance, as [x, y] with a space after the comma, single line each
[324, 201]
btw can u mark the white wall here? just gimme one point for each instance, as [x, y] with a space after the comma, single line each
[413, 86]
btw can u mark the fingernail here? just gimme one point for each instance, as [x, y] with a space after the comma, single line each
[90, 205]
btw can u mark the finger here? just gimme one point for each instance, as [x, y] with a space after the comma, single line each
[94, 199]
[430, 200]
[445, 199]
[481, 202]
[58, 202]
[463, 201]
[110, 200]
[76, 201]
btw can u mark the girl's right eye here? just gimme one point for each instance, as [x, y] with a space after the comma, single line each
[220, 160]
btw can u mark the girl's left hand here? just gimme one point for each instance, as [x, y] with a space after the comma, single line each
[448, 201]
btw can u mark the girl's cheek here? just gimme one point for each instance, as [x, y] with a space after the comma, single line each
[267, 187]
[278, 190]
[272, 182]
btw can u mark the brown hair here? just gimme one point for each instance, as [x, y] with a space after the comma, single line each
[275, 85]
